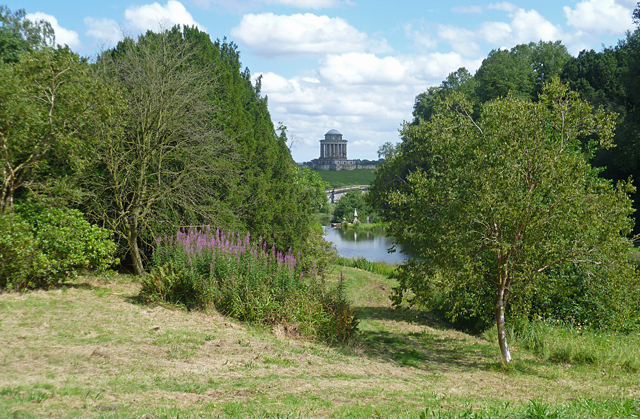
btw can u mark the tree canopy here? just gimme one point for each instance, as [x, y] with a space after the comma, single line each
[493, 204]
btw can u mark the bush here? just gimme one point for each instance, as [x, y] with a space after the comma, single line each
[41, 247]
[250, 282]
[18, 252]
[318, 254]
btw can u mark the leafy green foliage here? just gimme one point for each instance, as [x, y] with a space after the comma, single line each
[196, 146]
[318, 254]
[50, 110]
[40, 247]
[19, 35]
[609, 79]
[496, 203]
[313, 187]
[351, 201]
[247, 281]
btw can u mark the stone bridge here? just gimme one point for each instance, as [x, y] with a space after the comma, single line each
[334, 194]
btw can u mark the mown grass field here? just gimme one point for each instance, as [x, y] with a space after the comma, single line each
[346, 177]
[89, 350]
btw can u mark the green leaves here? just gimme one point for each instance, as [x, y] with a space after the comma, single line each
[498, 202]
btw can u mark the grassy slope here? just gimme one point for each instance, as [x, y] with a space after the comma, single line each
[346, 177]
[88, 350]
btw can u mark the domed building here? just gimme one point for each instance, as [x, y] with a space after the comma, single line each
[333, 154]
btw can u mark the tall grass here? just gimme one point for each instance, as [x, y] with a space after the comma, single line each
[200, 268]
[380, 268]
[574, 345]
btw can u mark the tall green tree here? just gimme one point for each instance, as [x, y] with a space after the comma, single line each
[166, 164]
[50, 111]
[268, 200]
[505, 71]
[497, 203]
[19, 34]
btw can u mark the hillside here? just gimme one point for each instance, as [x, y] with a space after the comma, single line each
[128, 360]
[346, 177]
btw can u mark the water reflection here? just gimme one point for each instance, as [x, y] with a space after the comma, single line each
[371, 246]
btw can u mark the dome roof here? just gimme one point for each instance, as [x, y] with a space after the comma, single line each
[333, 132]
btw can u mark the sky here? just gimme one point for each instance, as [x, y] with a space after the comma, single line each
[351, 65]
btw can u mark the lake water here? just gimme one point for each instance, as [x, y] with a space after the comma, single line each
[371, 246]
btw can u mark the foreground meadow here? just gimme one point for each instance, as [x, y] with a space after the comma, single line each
[90, 350]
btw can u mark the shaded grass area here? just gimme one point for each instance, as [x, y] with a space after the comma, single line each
[339, 178]
[88, 350]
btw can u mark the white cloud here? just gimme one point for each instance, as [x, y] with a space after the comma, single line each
[103, 30]
[525, 26]
[531, 26]
[461, 40]
[307, 4]
[495, 32]
[467, 9]
[505, 6]
[273, 35]
[63, 36]
[154, 16]
[421, 38]
[242, 6]
[364, 96]
[600, 16]
[361, 68]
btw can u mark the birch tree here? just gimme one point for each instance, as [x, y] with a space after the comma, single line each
[496, 203]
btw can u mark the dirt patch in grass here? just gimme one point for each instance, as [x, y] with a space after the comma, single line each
[88, 349]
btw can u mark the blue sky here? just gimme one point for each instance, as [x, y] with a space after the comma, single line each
[351, 65]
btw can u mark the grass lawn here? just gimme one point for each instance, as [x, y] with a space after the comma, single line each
[89, 350]
[346, 177]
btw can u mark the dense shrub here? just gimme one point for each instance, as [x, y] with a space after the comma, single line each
[200, 268]
[40, 247]
[318, 254]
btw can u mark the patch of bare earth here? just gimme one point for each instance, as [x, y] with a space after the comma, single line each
[101, 351]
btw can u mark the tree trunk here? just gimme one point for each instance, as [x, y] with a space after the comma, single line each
[500, 323]
[138, 269]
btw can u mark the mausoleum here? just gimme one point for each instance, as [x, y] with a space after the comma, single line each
[333, 154]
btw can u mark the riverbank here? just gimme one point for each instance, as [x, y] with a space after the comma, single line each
[365, 227]
[127, 360]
